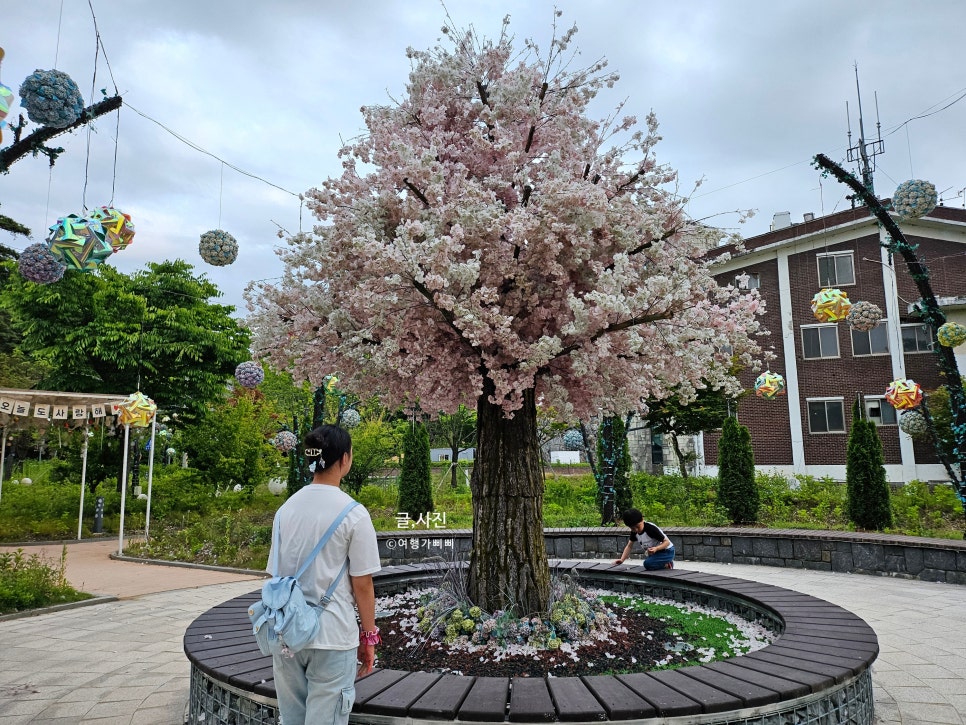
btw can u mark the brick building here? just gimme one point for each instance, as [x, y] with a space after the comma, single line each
[827, 366]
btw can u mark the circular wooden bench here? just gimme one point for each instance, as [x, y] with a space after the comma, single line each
[817, 670]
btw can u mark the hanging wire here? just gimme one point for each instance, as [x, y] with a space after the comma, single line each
[90, 124]
[100, 42]
[117, 133]
[60, 21]
[221, 192]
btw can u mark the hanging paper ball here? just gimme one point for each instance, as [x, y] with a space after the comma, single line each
[914, 198]
[79, 243]
[830, 305]
[38, 264]
[118, 227]
[6, 100]
[864, 316]
[136, 410]
[951, 334]
[904, 394]
[284, 441]
[351, 418]
[249, 374]
[573, 439]
[218, 247]
[169, 451]
[276, 486]
[769, 385]
[913, 423]
[51, 98]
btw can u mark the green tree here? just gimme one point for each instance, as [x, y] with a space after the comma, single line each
[673, 418]
[868, 503]
[415, 489]
[737, 489]
[373, 444]
[106, 332]
[456, 431]
[613, 468]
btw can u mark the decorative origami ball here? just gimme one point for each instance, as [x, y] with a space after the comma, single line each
[169, 451]
[914, 198]
[913, 423]
[249, 374]
[864, 316]
[6, 100]
[218, 247]
[573, 439]
[904, 394]
[951, 334]
[137, 410]
[284, 441]
[830, 305]
[79, 243]
[351, 418]
[38, 264]
[51, 98]
[276, 486]
[769, 385]
[118, 227]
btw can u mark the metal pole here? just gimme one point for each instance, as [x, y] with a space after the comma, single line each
[3, 456]
[147, 516]
[80, 515]
[120, 534]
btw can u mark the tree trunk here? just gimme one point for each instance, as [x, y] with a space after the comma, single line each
[454, 466]
[677, 451]
[508, 564]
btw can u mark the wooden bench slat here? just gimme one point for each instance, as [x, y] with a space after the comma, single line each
[530, 700]
[838, 674]
[573, 700]
[486, 700]
[787, 688]
[711, 698]
[374, 683]
[443, 699]
[750, 694]
[618, 700]
[396, 699]
[814, 681]
[666, 700]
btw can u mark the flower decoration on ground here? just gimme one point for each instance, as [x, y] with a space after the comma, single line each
[351, 418]
[914, 198]
[573, 439]
[137, 410]
[951, 334]
[914, 423]
[830, 305]
[249, 374]
[864, 316]
[285, 441]
[51, 98]
[118, 227]
[276, 486]
[79, 243]
[769, 385]
[904, 394]
[218, 248]
[38, 264]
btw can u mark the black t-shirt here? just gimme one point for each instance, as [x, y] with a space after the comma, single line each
[650, 536]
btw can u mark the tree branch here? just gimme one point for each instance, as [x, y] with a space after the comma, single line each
[419, 195]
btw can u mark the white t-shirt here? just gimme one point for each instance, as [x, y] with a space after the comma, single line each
[302, 520]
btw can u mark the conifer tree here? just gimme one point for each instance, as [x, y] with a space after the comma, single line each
[415, 489]
[613, 467]
[737, 489]
[868, 503]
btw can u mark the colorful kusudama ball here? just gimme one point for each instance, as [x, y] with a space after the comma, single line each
[864, 316]
[51, 98]
[904, 394]
[118, 227]
[37, 264]
[249, 374]
[769, 385]
[79, 243]
[573, 439]
[6, 100]
[218, 247]
[351, 418]
[276, 486]
[951, 334]
[137, 410]
[914, 198]
[913, 423]
[830, 305]
[285, 441]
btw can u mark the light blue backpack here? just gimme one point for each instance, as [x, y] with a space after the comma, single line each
[283, 621]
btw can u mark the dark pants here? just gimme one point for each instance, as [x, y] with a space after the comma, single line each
[659, 559]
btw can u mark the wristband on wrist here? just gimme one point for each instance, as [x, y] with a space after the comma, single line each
[370, 638]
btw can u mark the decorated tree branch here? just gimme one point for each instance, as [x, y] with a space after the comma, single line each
[929, 312]
[490, 245]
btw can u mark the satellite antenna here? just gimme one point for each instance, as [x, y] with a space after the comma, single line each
[864, 152]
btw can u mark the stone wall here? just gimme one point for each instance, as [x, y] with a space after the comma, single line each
[940, 560]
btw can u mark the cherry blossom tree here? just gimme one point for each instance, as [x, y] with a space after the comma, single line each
[490, 244]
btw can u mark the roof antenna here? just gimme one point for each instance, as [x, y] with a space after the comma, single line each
[865, 152]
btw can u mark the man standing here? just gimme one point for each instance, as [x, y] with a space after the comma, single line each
[657, 546]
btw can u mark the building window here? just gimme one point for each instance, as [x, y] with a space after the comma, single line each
[916, 338]
[748, 280]
[836, 269]
[871, 342]
[820, 341]
[879, 411]
[826, 416]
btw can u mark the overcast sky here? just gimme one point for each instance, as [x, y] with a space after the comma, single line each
[746, 93]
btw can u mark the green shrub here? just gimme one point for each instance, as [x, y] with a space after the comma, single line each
[415, 488]
[28, 582]
[867, 490]
[737, 490]
[923, 510]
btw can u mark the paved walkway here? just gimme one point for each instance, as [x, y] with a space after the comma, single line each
[122, 662]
